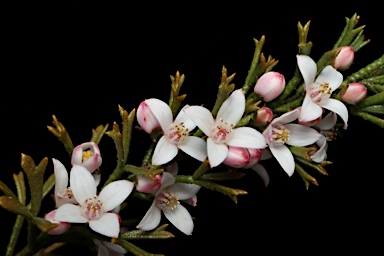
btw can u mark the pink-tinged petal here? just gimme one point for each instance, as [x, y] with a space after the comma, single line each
[180, 218]
[247, 137]
[151, 219]
[262, 172]
[195, 147]
[167, 180]
[307, 68]
[70, 213]
[331, 76]
[164, 152]
[202, 118]
[173, 168]
[184, 191]
[216, 152]
[286, 117]
[321, 153]
[148, 185]
[300, 135]
[61, 177]
[309, 110]
[93, 163]
[183, 117]
[161, 111]
[77, 155]
[339, 108]
[83, 184]
[108, 225]
[285, 158]
[146, 119]
[232, 108]
[115, 193]
[62, 226]
[328, 122]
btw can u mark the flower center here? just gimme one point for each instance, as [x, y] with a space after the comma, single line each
[330, 134]
[68, 193]
[87, 154]
[92, 208]
[280, 134]
[167, 200]
[319, 93]
[177, 133]
[222, 131]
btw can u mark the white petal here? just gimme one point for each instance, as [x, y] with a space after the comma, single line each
[339, 108]
[83, 184]
[183, 117]
[331, 76]
[184, 191]
[285, 158]
[300, 135]
[161, 111]
[286, 117]
[216, 152]
[247, 137]
[61, 176]
[233, 107]
[202, 118]
[151, 219]
[164, 152]
[321, 153]
[70, 213]
[167, 180]
[173, 168]
[309, 110]
[307, 68]
[115, 193]
[328, 122]
[114, 247]
[180, 218]
[195, 147]
[262, 172]
[108, 225]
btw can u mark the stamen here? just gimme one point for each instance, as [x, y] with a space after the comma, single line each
[177, 133]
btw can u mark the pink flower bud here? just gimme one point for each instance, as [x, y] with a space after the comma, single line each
[147, 185]
[355, 93]
[87, 155]
[146, 119]
[61, 228]
[345, 58]
[239, 157]
[270, 85]
[263, 117]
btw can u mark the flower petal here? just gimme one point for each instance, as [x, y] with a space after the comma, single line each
[70, 213]
[195, 147]
[115, 193]
[83, 184]
[183, 117]
[151, 219]
[167, 180]
[321, 153]
[307, 68]
[180, 218]
[202, 118]
[309, 110]
[61, 177]
[184, 191]
[161, 111]
[216, 153]
[331, 76]
[108, 225]
[262, 172]
[247, 137]
[328, 122]
[339, 108]
[285, 158]
[300, 135]
[232, 108]
[286, 117]
[164, 152]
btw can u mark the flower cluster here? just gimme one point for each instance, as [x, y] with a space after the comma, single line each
[268, 119]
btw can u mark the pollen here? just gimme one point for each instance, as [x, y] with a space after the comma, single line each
[167, 200]
[87, 154]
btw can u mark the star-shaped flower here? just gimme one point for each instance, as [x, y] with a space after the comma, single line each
[221, 132]
[318, 92]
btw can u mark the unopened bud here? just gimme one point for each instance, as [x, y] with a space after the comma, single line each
[146, 119]
[263, 117]
[345, 58]
[239, 157]
[270, 85]
[355, 93]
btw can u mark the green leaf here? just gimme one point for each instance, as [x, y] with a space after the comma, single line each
[158, 233]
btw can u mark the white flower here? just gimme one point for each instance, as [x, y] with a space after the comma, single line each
[318, 91]
[88, 155]
[167, 201]
[94, 209]
[221, 132]
[63, 194]
[176, 135]
[281, 131]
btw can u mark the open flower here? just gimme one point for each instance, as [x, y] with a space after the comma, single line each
[281, 131]
[176, 135]
[318, 92]
[88, 155]
[94, 209]
[221, 132]
[167, 201]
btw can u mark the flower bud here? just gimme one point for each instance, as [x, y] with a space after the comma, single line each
[61, 228]
[146, 119]
[87, 155]
[355, 93]
[263, 117]
[147, 185]
[270, 85]
[345, 58]
[239, 157]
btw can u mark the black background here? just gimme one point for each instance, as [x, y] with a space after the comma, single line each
[80, 63]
